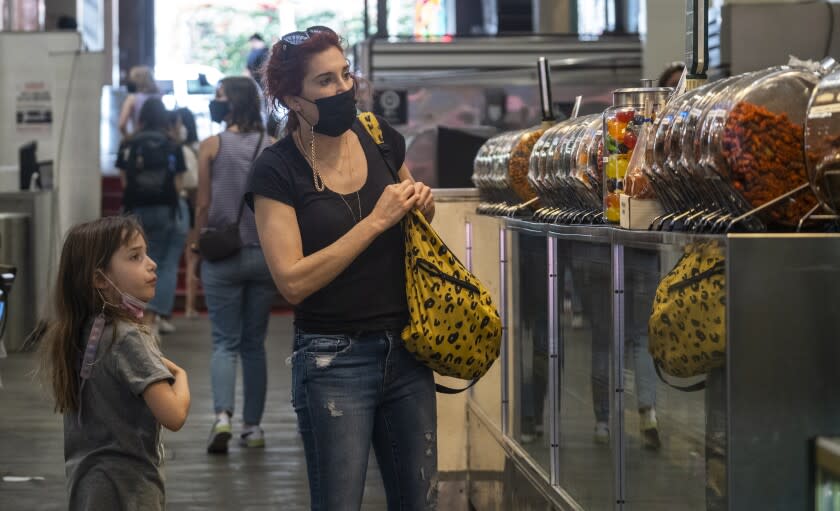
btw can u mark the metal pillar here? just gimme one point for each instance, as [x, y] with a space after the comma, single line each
[617, 422]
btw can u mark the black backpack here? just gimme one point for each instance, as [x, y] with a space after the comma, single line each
[150, 176]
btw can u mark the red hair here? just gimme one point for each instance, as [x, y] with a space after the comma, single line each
[286, 67]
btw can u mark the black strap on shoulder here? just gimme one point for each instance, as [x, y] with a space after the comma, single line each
[384, 150]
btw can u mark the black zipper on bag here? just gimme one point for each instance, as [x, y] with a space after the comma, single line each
[434, 270]
[719, 267]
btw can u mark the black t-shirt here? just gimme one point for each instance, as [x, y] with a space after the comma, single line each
[370, 293]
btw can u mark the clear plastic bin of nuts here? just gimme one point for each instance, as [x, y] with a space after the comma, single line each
[520, 157]
[500, 169]
[753, 138]
[822, 142]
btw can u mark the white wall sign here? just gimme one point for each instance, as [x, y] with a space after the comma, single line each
[33, 108]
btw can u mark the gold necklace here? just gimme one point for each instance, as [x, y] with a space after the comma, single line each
[319, 181]
[358, 201]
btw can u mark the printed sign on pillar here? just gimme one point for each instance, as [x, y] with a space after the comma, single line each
[391, 105]
[33, 108]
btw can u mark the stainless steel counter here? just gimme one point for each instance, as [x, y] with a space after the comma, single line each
[576, 301]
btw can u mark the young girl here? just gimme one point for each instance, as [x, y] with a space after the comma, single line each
[107, 374]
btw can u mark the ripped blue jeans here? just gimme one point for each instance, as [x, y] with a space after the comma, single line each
[351, 392]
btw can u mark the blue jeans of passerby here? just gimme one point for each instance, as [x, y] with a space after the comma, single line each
[354, 391]
[640, 287]
[239, 293]
[166, 233]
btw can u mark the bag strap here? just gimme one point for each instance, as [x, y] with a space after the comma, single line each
[688, 388]
[443, 389]
[253, 157]
[372, 127]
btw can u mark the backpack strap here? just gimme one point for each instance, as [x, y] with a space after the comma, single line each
[371, 124]
[372, 127]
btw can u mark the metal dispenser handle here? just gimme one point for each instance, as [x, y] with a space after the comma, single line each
[544, 76]
[696, 42]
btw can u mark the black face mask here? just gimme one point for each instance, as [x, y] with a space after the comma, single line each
[336, 114]
[219, 110]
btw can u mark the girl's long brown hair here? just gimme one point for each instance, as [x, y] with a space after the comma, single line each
[88, 247]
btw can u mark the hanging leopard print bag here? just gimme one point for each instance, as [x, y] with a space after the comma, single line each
[453, 327]
[687, 327]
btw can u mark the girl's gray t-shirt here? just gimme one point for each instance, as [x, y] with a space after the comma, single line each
[112, 450]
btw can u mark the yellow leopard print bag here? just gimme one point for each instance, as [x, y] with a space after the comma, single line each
[687, 328]
[453, 326]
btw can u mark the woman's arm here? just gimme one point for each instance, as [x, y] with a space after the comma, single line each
[170, 403]
[125, 114]
[207, 152]
[425, 199]
[296, 276]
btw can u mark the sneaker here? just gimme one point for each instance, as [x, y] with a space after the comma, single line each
[602, 433]
[649, 427]
[219, 437]
[165, 326]
[252, 438]
[528, 438]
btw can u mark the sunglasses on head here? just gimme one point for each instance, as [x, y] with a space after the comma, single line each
[300, 36]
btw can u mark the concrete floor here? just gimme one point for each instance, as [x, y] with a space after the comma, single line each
[31, 441]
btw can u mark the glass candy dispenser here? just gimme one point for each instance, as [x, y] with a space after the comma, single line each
[622, 124]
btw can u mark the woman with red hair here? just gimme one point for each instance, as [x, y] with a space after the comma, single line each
[328, 205]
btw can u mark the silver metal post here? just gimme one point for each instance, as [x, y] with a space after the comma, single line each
[503, 312]
[468, 247]
[553, 360]
[617, 422]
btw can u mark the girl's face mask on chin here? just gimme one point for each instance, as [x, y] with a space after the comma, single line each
[131, 304]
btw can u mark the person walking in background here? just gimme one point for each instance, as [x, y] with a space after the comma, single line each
[152, 171]
[141, 87]
[116, 398]
[328, 212]
[238, 290]
[183, 130]
[670, 76]
[256, 57]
